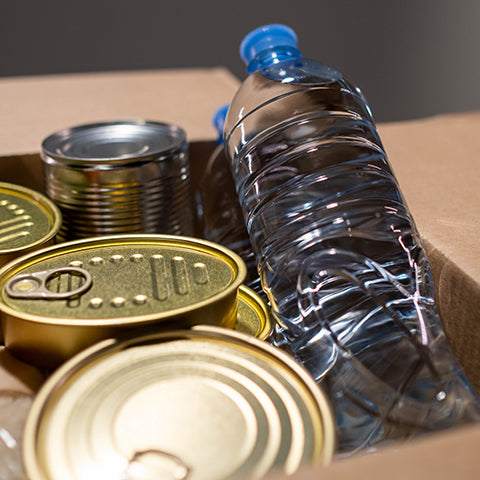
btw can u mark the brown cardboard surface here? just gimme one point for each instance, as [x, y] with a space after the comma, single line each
[435, 161]
[33, 107]
[445, 456]
[17, 376]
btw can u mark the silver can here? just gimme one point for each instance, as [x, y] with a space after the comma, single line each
[119, 177]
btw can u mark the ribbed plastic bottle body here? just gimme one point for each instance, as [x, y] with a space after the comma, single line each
[303, 154]
[223, 220]
[339, 254]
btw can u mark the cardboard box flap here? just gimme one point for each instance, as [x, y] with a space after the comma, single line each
[34, 107]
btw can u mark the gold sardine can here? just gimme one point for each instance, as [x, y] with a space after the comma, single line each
[59, 300]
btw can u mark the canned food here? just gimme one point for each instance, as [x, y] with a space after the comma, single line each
[254, 316]
[59, 300]
[119, 178]
[28, 221]
[205, 403]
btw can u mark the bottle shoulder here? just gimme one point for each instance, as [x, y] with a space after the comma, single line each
[284, 79]
[263, 101]
[301, 71]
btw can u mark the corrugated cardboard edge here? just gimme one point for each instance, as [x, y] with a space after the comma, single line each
[458, 304]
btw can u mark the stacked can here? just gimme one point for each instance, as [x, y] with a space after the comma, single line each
[119, 177]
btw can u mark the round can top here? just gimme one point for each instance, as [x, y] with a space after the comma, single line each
[114, 142]
[123, 280]
[28, 219]
[205, 403]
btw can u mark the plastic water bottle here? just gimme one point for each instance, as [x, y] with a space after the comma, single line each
[222, 216]
[337, 249]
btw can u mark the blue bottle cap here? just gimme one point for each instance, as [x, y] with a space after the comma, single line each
[265, 38]
[218, 120]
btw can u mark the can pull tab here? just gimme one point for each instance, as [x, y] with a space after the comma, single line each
[154, 464]
[40, 285]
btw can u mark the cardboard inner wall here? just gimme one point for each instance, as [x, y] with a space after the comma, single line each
[435, 161]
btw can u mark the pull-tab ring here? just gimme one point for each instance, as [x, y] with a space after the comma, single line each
[34, 285]
[154, 464]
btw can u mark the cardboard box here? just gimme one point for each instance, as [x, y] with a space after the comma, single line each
[435, 161]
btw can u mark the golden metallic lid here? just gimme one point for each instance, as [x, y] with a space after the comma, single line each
[254, 316]
[28, 220]
[58, 300]
[206, 403]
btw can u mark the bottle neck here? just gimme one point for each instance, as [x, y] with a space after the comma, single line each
[271, 57]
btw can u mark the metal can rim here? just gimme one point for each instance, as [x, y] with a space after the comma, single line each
[48, 152]
[47, 205]
[322, 457]
[28, 259]
[250, 297]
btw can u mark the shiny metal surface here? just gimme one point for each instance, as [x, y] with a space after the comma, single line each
[206, 403]
[37, 285]
[113, 142]
[254, 316]
[119, 177]
[137, 281]
[28, 221]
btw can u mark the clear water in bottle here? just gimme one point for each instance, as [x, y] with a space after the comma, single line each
[337, 248]
[222, 216]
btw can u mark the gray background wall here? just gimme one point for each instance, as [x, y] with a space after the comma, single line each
[412, 58]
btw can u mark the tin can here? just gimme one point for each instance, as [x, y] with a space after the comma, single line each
[118, 178]
[28, 221]
[254, 316]
[61, 299]
[206, 403]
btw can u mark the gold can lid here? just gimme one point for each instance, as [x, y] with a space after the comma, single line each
[28, 219]
[132, 277]
[66, 297]
[254, 316]
[205, 403]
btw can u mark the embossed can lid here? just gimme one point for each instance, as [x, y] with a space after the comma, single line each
[56, 301]
[205, 403]
[28, 220]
